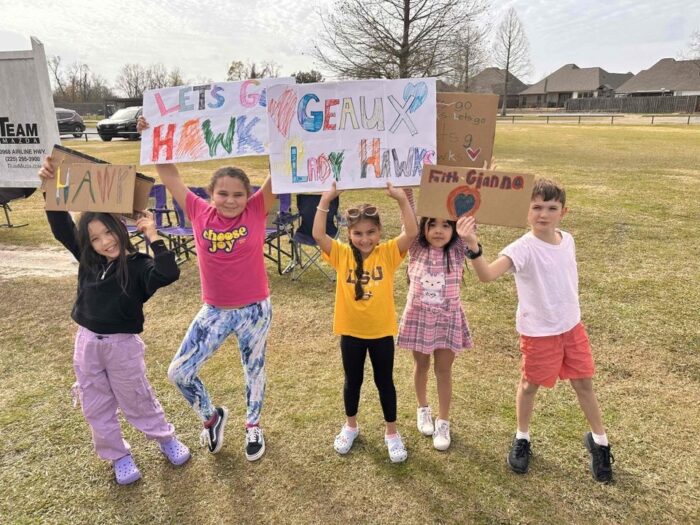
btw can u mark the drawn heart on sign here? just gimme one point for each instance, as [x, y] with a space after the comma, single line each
[282, 110]
[473, 153]
[419, 90]
[463, 200]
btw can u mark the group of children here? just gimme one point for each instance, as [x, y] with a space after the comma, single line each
[114, 280]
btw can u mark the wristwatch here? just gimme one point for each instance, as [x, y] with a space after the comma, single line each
[475, 255]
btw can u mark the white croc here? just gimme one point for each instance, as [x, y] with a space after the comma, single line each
[344, 440]
[397, 450]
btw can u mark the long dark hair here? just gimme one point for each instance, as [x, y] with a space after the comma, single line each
[427, 222]
[95, 262]
[359, 269]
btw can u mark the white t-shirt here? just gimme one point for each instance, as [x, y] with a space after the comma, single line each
[546, 278]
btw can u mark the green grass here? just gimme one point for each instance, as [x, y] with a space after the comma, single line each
[633, 197]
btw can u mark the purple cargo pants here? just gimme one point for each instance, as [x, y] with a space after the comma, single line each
[111, 373]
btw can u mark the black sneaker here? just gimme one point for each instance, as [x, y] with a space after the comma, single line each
[519, 455]
[254, 443]
[601, 459]
[213, 436]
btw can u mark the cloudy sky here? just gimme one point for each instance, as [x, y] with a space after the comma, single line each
[201, 37]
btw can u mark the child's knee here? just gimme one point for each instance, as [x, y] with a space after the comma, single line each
[176, 374]
[582, 386]
[528, 388]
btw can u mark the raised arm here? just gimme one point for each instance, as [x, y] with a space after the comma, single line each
[61, 223]
[268, 196]
[466, 228]
[324, 241]
[408, 218]
[168, 173]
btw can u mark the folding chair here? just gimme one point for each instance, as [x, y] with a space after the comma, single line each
[280, 226]
[306, 252]
[181, 236]
[10, 194]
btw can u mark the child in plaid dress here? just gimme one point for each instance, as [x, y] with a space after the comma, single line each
[433, 321]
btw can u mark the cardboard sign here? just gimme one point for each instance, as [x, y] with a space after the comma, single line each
[492, 197]
[360, 133]
[28, 125]
[466, 127]
[218, 120]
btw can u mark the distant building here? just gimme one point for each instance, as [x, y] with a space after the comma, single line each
[668, 77]
[571, 81]
[490, 80]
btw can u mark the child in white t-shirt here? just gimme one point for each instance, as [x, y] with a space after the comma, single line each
[553, 341]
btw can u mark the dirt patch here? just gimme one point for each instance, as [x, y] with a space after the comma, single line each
[19, 261]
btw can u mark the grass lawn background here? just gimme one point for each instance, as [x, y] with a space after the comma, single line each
[633, 196]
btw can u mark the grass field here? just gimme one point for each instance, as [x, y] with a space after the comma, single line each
[633, 198]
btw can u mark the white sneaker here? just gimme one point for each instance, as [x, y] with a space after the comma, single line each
[424, 420]
[397, 450]
[343, 441]
[441, 437]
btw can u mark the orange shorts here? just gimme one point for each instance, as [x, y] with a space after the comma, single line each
[566, 356]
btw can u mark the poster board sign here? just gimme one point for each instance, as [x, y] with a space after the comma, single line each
[492, 197]
[466, 128]
[217, 120]
[109, 190]
[360, 133]
[28, 125]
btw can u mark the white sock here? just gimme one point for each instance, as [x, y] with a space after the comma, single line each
[600, 439]
[523, 435]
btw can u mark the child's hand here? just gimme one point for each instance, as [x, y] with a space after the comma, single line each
[141, 124]
[46, 171]
[146, 225]
[395, 193]
[490, 164]
[330, 194]
[466, 229]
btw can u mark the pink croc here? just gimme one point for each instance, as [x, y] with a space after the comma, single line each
[176, 451]
[126, 470]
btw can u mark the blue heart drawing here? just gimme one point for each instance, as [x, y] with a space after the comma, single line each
[464, 204]
[419, 91]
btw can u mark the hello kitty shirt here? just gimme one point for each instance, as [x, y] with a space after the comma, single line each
[433, 317]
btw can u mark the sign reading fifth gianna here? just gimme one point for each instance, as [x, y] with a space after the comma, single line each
[216, 120]
[361, 133]
[492, 197]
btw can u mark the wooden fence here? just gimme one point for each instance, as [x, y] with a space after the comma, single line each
[689, 104]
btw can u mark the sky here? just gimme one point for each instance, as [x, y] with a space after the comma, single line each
[202, 37]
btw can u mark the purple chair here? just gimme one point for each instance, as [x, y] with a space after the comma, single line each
[181, 236]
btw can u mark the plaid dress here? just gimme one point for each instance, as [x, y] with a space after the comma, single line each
[434, 317]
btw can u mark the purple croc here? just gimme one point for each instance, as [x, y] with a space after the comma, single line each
[176, 451]
[126, 470]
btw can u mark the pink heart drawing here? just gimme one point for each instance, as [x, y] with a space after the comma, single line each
[473, 153]
[282, 110]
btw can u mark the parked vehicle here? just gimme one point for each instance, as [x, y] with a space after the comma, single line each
[69, 122]
[121, 124]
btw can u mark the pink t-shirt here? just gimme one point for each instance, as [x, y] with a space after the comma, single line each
[546, 278]
[230, 252]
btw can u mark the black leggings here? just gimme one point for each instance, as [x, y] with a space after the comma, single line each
[381, 354]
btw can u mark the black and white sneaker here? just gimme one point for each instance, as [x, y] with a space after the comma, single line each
[213, 436]
[254, 443]
[519, 456]
[601, 459]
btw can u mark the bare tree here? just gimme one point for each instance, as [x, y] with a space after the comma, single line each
[131, 80]
[240, 71]
[511, 51]
[156, 76]
[392, 38]
[308, 77]
[470, 54]
[54, 64]
[175, 77]
[694, 45]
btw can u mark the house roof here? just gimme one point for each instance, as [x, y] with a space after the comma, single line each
[667, 74]
[490, 80]
[573, 78]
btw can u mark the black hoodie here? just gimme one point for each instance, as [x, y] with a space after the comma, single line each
[101, 305]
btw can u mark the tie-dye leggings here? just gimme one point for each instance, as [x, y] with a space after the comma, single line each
[206, 334]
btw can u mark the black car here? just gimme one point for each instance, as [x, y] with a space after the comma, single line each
[121, 124]
[69, 122]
